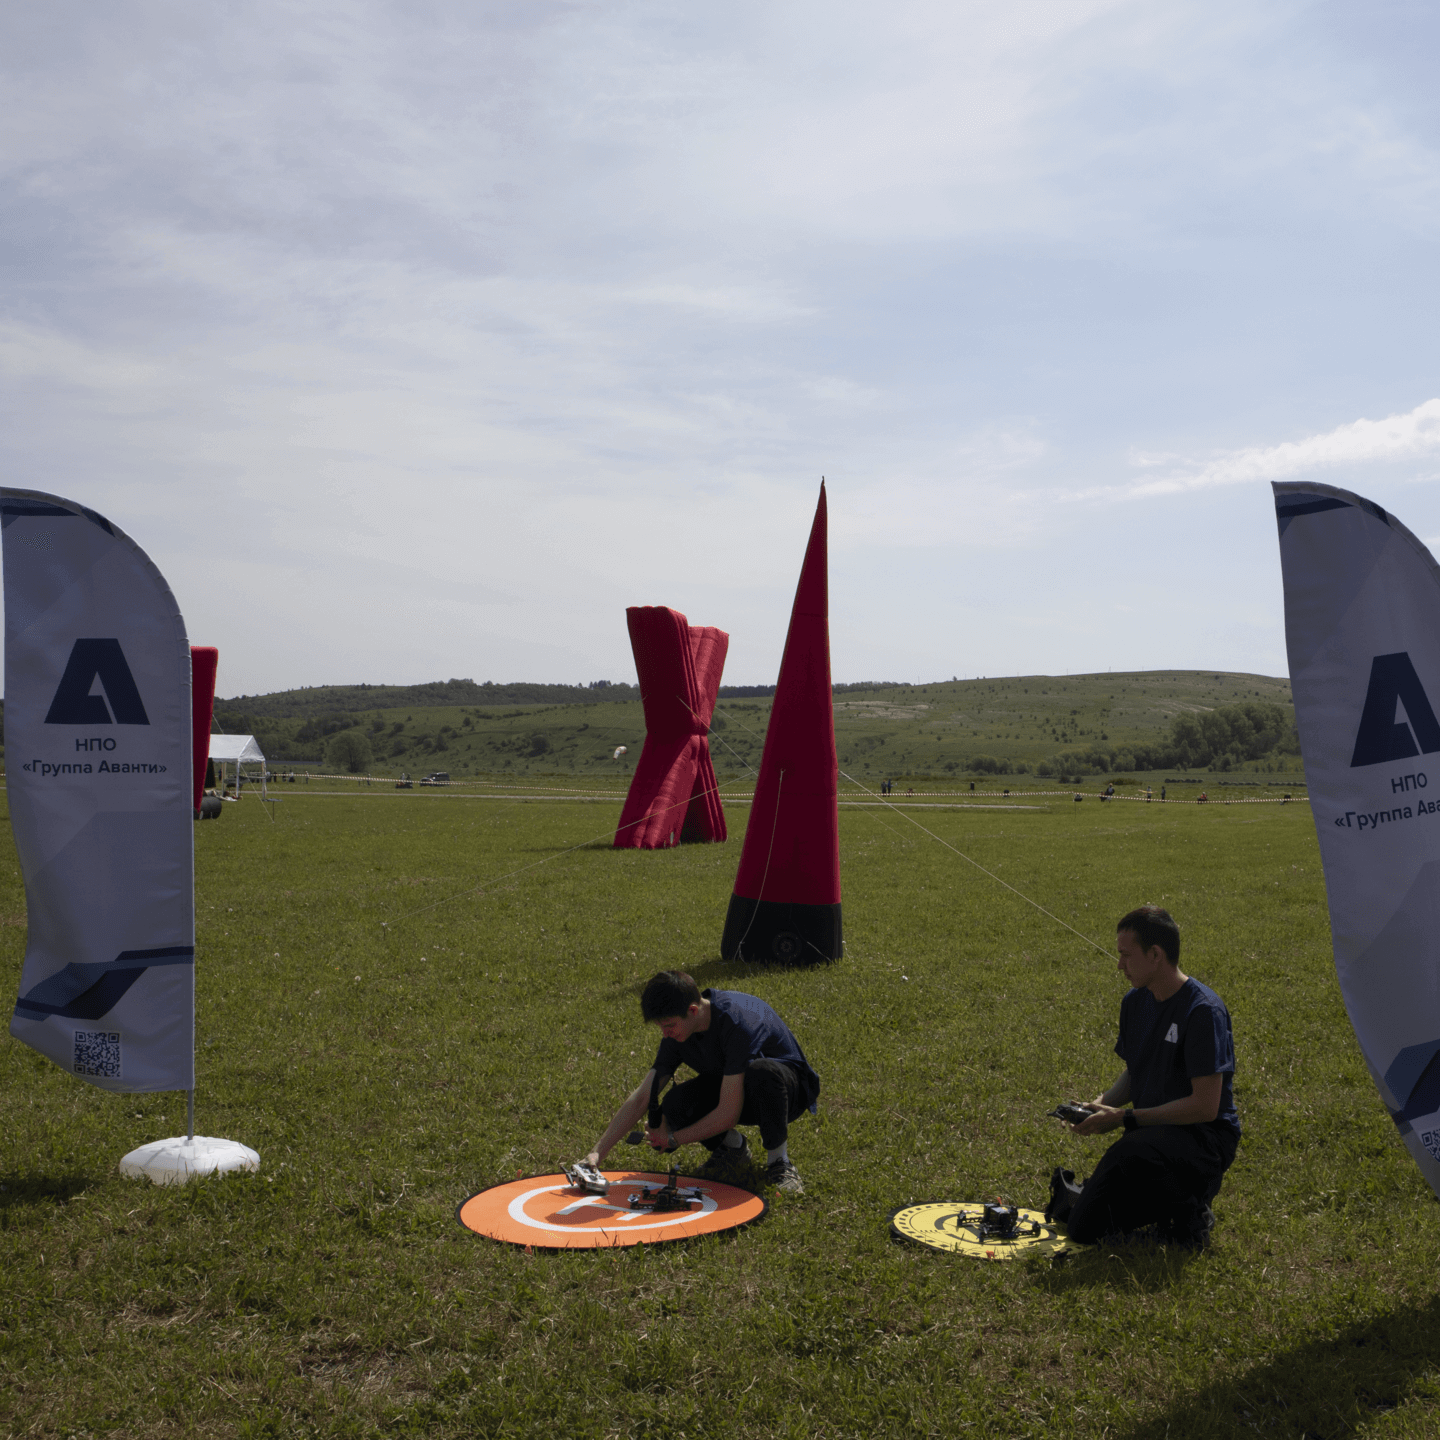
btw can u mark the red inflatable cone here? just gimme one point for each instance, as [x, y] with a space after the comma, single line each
[204, 662]
[786, 905]
[673, 796]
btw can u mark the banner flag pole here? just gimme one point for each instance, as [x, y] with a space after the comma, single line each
[99, 717]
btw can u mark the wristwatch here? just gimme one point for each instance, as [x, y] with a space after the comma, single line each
[1129, 1121]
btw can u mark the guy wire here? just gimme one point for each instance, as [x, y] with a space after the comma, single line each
[980, 867]
[711, 734]
[775, 825]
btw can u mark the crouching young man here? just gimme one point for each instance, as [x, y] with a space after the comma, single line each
[749, 1070]
[1182, 1130]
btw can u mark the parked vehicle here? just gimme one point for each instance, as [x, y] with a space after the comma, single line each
[440, 777]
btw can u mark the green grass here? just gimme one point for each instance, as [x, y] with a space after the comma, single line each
[385, 1079]
[896, 730]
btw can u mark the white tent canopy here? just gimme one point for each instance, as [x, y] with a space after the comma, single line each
[239, 751]
[236, 749]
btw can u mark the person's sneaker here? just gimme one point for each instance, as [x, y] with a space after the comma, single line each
[1064, 1192]
[726, 1162]
[1194, 1234]
[783, 1175]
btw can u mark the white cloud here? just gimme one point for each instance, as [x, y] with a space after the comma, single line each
[1409, 436]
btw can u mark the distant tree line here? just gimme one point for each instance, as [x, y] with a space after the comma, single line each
[1230, 737]
[326, 701]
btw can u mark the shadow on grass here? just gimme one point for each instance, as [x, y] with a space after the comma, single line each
[1320, 1390]
[712, 973]
[18, 1192]
[716, 969]
[1137, 1265]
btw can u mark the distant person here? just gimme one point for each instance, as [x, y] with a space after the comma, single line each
[1162, 793]
[972, 785]
[1148, 794]
[1078, 797]
[749, 1070]
[1182, 1131]
[1203, 797]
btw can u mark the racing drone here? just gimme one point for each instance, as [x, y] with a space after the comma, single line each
[1073, 1111]
[661, 1198]
[1003, 1222]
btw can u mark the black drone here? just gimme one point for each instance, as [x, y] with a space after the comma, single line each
[661, 1198]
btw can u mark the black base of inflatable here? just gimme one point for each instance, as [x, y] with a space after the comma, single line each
[772, 932]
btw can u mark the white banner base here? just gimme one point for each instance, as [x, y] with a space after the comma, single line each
[173, 1162]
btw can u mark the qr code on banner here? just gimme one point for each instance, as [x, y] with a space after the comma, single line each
[97, 1052]
[1430, 1139]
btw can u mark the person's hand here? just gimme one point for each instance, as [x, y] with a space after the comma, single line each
[593, 1158]
[661, 1139]
[1106, 1117]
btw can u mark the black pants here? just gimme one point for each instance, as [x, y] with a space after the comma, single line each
[1161, 1174]
[775, 1094]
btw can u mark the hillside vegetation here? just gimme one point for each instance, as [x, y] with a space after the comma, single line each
[1046, 726]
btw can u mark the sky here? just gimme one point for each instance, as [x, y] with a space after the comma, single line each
[416, 341]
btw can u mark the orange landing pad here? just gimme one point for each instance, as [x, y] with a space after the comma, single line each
[544, 1210]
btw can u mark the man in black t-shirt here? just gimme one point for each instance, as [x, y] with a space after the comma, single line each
[749, 1070]
[1182, 1132]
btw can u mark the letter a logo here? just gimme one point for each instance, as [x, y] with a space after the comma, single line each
[1384, 733]
[92, 660]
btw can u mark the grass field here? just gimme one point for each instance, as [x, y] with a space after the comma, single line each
[385, 1079]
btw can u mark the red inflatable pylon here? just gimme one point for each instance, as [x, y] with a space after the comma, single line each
[786, 905]
[673, 798]
[204, 663]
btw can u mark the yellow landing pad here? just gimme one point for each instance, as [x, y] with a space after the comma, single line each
[955, 1226]
[546, 1211]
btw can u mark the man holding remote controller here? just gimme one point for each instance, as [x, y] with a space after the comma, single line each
[1182, 1132]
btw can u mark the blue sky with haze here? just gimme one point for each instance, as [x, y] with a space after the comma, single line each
[419, 340]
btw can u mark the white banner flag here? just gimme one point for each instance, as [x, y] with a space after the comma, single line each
[97, 750]
[1362, 626]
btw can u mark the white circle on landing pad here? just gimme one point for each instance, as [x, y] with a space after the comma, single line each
[625, 1217]
[182, 1158]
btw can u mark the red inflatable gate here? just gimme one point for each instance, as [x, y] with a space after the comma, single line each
[673, 796]
[204, 662]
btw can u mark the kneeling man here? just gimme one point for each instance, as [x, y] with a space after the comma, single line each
[1182, 1130]
[749, 1070]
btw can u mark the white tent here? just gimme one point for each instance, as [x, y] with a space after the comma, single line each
[239, 751]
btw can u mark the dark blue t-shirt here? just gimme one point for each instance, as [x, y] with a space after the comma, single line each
[1166, 1045]
[742, 1028]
